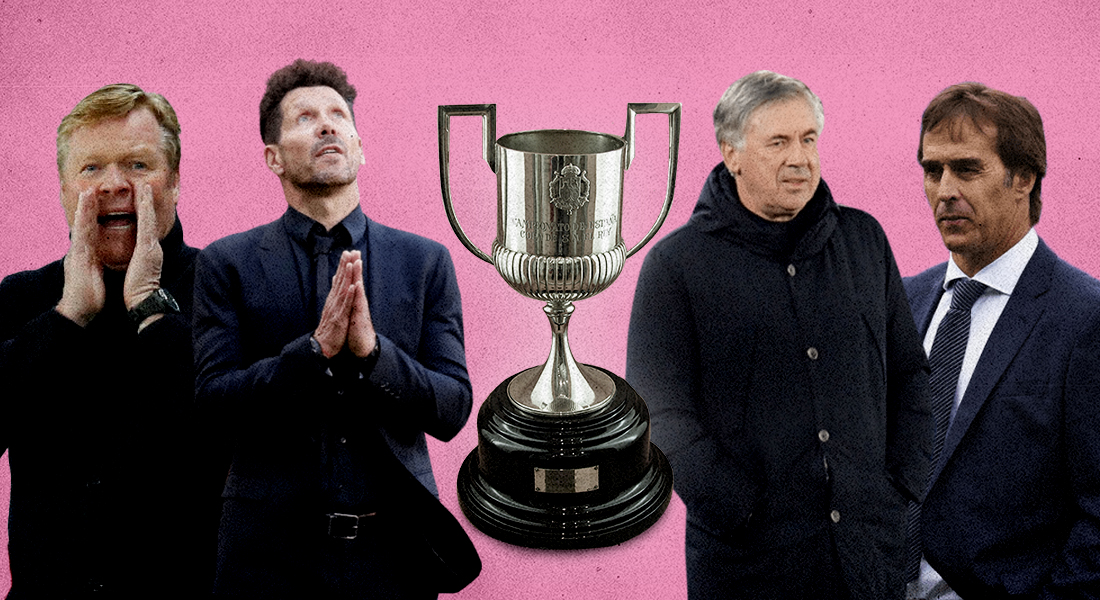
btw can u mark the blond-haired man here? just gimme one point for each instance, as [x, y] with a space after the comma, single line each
[96, 359]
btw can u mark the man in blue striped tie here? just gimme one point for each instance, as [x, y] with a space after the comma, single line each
[1013, 338]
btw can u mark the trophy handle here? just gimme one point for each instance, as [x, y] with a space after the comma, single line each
[488, 114]
[673, 112]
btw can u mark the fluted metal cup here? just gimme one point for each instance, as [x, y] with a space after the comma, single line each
[559, 233]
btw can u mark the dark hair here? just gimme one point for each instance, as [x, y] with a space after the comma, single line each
[300, 73]
[1020, 142]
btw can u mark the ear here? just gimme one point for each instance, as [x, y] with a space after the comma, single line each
[1023, 184]
[274, 159]
[175, 189]
[732, 158]
[362, 157]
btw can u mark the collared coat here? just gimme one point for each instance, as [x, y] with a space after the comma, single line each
[787, 385]
[1013, 509]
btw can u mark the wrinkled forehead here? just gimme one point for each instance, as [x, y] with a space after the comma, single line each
[791, 112]
[313, 97]
[135, 133]
[963, 128]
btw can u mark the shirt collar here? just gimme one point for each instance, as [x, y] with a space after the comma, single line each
[299, 225]
[1003, 273]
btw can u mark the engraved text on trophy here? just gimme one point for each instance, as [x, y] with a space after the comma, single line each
[565, 232]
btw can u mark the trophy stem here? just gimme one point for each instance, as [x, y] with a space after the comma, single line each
[561, 365]
[561, 385]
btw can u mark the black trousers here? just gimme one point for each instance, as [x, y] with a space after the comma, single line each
[272, 551]
[720, 571]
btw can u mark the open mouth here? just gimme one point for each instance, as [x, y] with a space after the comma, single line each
[117, 220]
[329, 150]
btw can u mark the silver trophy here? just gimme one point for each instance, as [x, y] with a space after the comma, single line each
[563, 458]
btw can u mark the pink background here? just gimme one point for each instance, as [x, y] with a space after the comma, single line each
[557, 65]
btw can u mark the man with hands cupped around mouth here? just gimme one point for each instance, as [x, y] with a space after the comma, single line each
[112, 492]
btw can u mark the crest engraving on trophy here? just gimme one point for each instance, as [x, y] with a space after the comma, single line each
[569, 189]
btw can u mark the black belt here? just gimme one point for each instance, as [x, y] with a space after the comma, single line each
[344, 526]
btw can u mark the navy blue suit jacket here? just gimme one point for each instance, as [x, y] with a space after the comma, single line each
[256, 368]
[1013, 510]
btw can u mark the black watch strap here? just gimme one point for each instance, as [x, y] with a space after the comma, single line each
[159, 302]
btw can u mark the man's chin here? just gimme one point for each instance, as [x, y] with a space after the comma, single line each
[958, 244]
[116, 258]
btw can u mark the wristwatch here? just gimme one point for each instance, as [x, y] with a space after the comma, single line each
[159, 302]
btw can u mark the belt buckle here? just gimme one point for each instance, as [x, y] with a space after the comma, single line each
[343, 526]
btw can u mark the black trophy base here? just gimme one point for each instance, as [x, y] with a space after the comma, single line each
[564, 481]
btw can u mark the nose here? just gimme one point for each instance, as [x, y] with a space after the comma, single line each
[948, 186]
[798, 155]
[326, 125]
[113, 181]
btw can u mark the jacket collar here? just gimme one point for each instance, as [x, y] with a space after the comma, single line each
[720, 212]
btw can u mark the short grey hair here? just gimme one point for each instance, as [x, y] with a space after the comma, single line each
[749, 93]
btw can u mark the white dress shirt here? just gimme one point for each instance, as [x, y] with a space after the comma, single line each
[1000, 277]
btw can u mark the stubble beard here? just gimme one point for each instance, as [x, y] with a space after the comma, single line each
[315, 181]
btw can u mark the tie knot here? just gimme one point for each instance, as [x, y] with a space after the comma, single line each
[322, 242]
[966, 293]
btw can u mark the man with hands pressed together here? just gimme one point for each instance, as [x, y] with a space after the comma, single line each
[329, 345]
[97, 417]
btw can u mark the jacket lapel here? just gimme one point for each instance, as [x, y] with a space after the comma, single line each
[1023, 311]
[924, 299]
[278, 265]
[373, 279]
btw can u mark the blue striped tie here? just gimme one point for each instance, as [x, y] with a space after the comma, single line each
[945, 361]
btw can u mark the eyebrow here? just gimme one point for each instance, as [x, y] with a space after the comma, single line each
[783, 136]
[140, 151]
[955, 163]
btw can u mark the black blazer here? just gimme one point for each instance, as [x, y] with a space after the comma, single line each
[1013, 510]
[257, 370]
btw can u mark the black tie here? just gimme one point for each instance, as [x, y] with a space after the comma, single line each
[322, 243]
[945, 361]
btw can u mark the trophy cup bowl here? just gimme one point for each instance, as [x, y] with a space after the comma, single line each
[563, 457]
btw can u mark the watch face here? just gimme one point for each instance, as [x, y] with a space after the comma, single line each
[158, 302]
[169, 301]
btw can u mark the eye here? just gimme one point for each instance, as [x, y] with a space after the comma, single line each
[89, 168]
[304, 118]
[139, 165]
[933, 172]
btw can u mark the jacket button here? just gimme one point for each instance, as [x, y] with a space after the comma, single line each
[791, 270]
[812, 353]
[823, 435]
[835, 516]
[343, 440]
